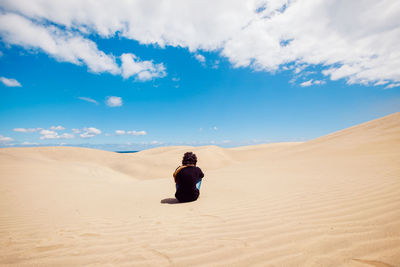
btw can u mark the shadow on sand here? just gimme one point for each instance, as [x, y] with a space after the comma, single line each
[170, 201]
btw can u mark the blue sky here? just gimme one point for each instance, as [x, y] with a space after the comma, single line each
[185, 92]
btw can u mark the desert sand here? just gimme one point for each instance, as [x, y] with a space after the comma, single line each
[332, 201]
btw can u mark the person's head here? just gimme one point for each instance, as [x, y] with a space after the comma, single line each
[189, 159]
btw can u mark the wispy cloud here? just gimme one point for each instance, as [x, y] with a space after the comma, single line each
[381, 82]
[137, 133]
[306, 83]
[393, 85]
[312, 82]
[4, 139]
[51, 133]
[89, 132]
[26, 143]
[156, 142]
[10, 82]
[32, 130]
[200, 58]
[120, 132]
[141, 70]
[57, 128]
[216, 64]
[114, 101]
[27, 130]
[88, 99]
[48, 134]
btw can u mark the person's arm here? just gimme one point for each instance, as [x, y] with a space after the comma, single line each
[201, 174]
[175, 173]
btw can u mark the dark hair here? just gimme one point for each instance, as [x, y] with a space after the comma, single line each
[189, 158]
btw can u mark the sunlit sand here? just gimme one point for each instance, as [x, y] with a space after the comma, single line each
[332, 201]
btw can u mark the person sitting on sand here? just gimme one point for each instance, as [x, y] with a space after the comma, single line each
[188, 179]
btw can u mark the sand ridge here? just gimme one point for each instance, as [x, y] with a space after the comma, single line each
[332, 201]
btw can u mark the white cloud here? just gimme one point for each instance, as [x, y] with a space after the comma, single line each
[52, 133]
[393, 85]
[114, 101]
[142, 70]
[306, 83]
[200, 58]
[120, 132]
[42, 131]
[380, 82]
[62, 45]
[216, 64]
[57, 128]
[299, 69]
[67, 45]
[26, 143]
[215, 128]
[66, 136]
[10, 82]
[90, 132]
[88, 99]
[86, 135]
[26, 130]
[352, 40]
[193, 24]
[318, 82]
[175, 79]
[136, 132]
[352, 43]
[48, 134]
[4, 139]
[312, 82]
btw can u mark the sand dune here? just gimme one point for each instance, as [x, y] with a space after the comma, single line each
[332, 201]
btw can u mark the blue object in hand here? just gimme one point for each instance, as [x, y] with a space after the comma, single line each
[197, 185]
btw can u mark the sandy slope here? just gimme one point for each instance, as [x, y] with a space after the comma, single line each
[332, 201]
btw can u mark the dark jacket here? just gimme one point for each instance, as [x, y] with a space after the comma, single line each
[186, 180]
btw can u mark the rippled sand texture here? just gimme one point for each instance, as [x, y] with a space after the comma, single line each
[332, 201]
